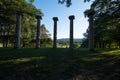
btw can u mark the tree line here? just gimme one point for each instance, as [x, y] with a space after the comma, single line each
[8, 13]
[106, 24]
[106, 15]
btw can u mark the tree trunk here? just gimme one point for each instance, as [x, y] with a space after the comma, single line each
[23, 43]
[7, 40]
[3, 41]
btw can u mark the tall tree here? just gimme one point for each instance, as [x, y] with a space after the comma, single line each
[45, 37]
[9, 8]
[106, 22]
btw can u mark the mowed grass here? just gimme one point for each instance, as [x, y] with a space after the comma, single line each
[59, 64]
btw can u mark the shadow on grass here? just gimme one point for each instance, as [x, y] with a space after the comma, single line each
[59, 64]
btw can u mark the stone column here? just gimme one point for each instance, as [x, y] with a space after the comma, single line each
[91, 31]
[71, 31]
[55, 19]
[18, 30]
[38, 17]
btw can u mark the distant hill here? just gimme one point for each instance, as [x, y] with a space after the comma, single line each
[67, 40]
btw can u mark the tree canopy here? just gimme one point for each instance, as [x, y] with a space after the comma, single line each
[106, 22]
[68, 2]
[8, 12]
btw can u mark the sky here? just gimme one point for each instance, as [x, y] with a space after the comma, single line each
[51, 9]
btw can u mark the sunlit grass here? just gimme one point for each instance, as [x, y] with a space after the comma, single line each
[59, 64]
[21, 60]
[113, 52]
[91, 59]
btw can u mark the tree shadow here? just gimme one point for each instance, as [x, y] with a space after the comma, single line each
[61, 64]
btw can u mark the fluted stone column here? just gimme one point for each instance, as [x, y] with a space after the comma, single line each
[91, 31]
[55, 19]
[18, 30]
[38, 17]
[72, 17]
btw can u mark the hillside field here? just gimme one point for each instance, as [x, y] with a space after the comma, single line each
[59, 64]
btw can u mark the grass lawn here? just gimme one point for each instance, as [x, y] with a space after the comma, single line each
[59, 64]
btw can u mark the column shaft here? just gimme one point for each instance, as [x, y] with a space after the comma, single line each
[55, 19]
[71, 32]
[18, 31]
[91, 33]
[38, 31]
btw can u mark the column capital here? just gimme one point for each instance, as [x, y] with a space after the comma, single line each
[55, 18]
[71, 17]
[38, 16]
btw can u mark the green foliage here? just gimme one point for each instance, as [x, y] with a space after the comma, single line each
[76, 45]
[46, 42]
[84, 43]
[45, 37]
[8, 11]
[106, 23]
[106, 17]
[68, 2]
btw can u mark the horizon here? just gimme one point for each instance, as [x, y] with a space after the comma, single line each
[53, 9]
[68, 38]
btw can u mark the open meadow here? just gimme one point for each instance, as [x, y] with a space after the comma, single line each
[59, 64]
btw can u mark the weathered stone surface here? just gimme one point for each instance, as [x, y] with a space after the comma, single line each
[55, 19]
[38, 17]
[71, 18]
